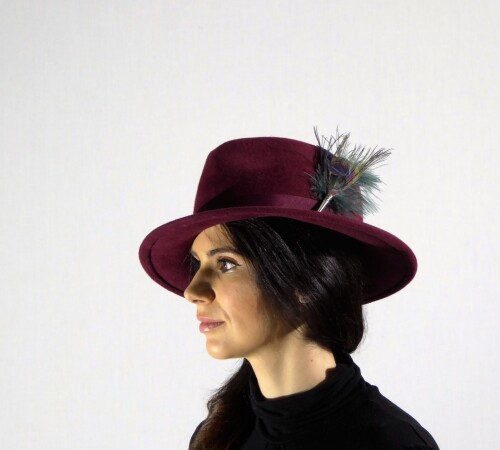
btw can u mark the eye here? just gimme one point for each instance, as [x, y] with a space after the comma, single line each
[223, 262]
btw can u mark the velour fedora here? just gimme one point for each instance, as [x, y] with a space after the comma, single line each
[282, 177]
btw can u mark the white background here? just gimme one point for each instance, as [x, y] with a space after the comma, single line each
[108, 110]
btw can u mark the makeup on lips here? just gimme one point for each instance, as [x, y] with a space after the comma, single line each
[207, 324]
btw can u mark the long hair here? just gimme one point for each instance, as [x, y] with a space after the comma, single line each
[310, 277]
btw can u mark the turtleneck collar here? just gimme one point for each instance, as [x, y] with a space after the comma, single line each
[283, 418]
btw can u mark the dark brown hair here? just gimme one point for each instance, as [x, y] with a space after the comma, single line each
[309, 276]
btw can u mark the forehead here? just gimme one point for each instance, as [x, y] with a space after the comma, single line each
[211, 235]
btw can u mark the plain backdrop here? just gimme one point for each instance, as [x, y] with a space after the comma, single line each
[108, 109]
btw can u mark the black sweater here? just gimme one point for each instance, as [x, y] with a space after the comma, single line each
[343, 412]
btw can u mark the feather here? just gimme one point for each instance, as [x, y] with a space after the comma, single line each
[343, 180]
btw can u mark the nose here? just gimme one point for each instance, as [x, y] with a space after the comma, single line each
[199, 290]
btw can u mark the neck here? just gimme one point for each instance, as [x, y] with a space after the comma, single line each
[290, 365]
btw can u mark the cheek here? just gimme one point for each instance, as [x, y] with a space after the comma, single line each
[245, 309]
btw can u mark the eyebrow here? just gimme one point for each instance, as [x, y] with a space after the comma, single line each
[215, 251]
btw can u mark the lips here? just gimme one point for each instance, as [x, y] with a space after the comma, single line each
[208, 323]
[206, 327]
[204, 319]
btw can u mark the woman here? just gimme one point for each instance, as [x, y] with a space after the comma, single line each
[278, 262]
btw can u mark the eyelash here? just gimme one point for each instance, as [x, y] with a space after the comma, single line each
[196, 264]
[219, 260]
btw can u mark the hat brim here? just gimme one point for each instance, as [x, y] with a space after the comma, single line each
[389, 263]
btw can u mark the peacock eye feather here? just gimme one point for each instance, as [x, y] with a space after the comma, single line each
[344, 181]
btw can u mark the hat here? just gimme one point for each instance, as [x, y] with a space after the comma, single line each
[282, 177]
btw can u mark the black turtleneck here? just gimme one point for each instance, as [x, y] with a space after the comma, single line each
[343, 412]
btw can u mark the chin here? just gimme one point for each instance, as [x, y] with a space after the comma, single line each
[217, 352]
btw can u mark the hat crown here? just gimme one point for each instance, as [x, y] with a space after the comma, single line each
[260, 171]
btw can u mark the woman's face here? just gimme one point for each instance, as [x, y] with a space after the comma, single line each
[223, 288]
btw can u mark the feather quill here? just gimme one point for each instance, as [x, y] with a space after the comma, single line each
[344, 181]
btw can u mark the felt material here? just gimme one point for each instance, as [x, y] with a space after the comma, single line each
[269, 176]
[344, 412]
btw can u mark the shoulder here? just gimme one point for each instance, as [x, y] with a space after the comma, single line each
[398, 435]
[196, 431]
[386, 426]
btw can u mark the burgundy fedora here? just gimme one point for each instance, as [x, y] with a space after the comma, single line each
[270, 176]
